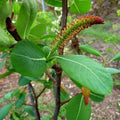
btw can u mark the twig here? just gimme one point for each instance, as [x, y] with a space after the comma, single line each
[29, 105]
[40, 93]
[50, 76]
[32, 100]
[64, 13]
[35, 101]
[32, 89]
[12, 29]
[75, 45]
[62, 103]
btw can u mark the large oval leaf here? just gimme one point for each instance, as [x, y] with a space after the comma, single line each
[37, 32]
[26, 17]
[27, 59]
[5, 11]
[23, 81]
[5, 110]
[96, 97]
[5, 42]
[80, 6]
[54, 3]
[77, 110]
[87, 72]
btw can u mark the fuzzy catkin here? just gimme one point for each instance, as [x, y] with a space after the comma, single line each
[73, 29]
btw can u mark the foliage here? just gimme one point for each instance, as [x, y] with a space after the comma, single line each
[37, 55]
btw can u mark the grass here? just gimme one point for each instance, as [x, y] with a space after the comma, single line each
[101, 32]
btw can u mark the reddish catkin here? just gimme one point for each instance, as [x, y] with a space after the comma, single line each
[86, 94]
[73, 29]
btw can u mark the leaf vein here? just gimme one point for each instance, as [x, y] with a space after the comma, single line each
[86, 68]
[35, 59]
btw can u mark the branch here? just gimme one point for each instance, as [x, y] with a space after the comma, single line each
[40, 93]
[57, 85]
[75, 45]
[29, 105]
[63, 21]
[50, 76]
[57, 67]
[32, 90]
[35, 102]
[12, 29]
[62, 103]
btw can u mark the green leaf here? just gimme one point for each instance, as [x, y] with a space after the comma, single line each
[112, 70]
[33, 78]
[118, 12]
[5, 42]
[26, 17]
[118, 106]
[6, 74]
[12, 94]
[54, 3]
[47, 84]
[3, 55]
[48, 37]
[15, 116]
[2, 63]
[46, 50]
[2, 100]
[16, 7]
[2, 2]
[5, 11]
[77, 110]
[45, 118]
[23, 81]
[37, 32]
[116, 57]
[29, 110]
[96, 97]
[80, 6]
[20, 100]
[87, 72]
[64, 95]
[89, 49]
[27, 59]
[5, 110]
[9, 95]
[116, 82]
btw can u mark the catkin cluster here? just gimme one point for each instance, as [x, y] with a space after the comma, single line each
[73, 29]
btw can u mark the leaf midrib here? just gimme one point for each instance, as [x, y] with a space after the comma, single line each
[35, 59]
[80, 105]
[86, 68]
[76, 6]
